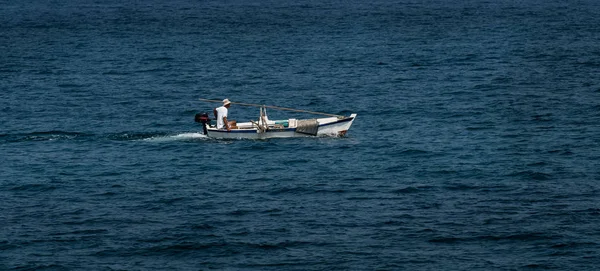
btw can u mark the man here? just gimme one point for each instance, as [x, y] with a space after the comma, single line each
[221, 115]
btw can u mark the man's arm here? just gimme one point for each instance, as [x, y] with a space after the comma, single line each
[215, 112]
[226, 124]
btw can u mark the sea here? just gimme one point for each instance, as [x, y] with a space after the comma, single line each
[476, 145]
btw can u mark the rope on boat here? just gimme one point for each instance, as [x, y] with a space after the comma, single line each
[275, 107]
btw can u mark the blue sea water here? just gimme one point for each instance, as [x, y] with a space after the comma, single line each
[476, 145]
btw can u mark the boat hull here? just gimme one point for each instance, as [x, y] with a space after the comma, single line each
[326, 127]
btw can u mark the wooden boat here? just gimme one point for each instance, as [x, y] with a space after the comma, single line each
[264, 128]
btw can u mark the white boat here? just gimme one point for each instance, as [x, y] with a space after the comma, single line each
[264, 128]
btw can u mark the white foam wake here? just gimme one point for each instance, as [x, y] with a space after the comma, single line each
[189, 136]
[184, 136]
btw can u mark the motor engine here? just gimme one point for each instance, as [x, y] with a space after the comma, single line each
[204, 119]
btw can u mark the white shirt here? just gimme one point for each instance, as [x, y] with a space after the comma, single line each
[221, 112]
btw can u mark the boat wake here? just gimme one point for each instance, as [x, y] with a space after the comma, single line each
[178, 137]
[62, 136]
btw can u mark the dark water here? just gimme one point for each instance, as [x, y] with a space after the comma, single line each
[476, 145]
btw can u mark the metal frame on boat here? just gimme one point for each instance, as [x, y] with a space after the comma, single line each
[264, 128]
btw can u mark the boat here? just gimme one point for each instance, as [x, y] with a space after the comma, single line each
[265, 128]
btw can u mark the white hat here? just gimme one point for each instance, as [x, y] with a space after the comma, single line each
[226, 102]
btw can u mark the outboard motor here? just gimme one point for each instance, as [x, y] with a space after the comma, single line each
[204, 119]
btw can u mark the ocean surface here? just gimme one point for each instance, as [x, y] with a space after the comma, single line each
[476, 146]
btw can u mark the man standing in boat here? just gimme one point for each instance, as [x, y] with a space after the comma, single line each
[221, 115]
